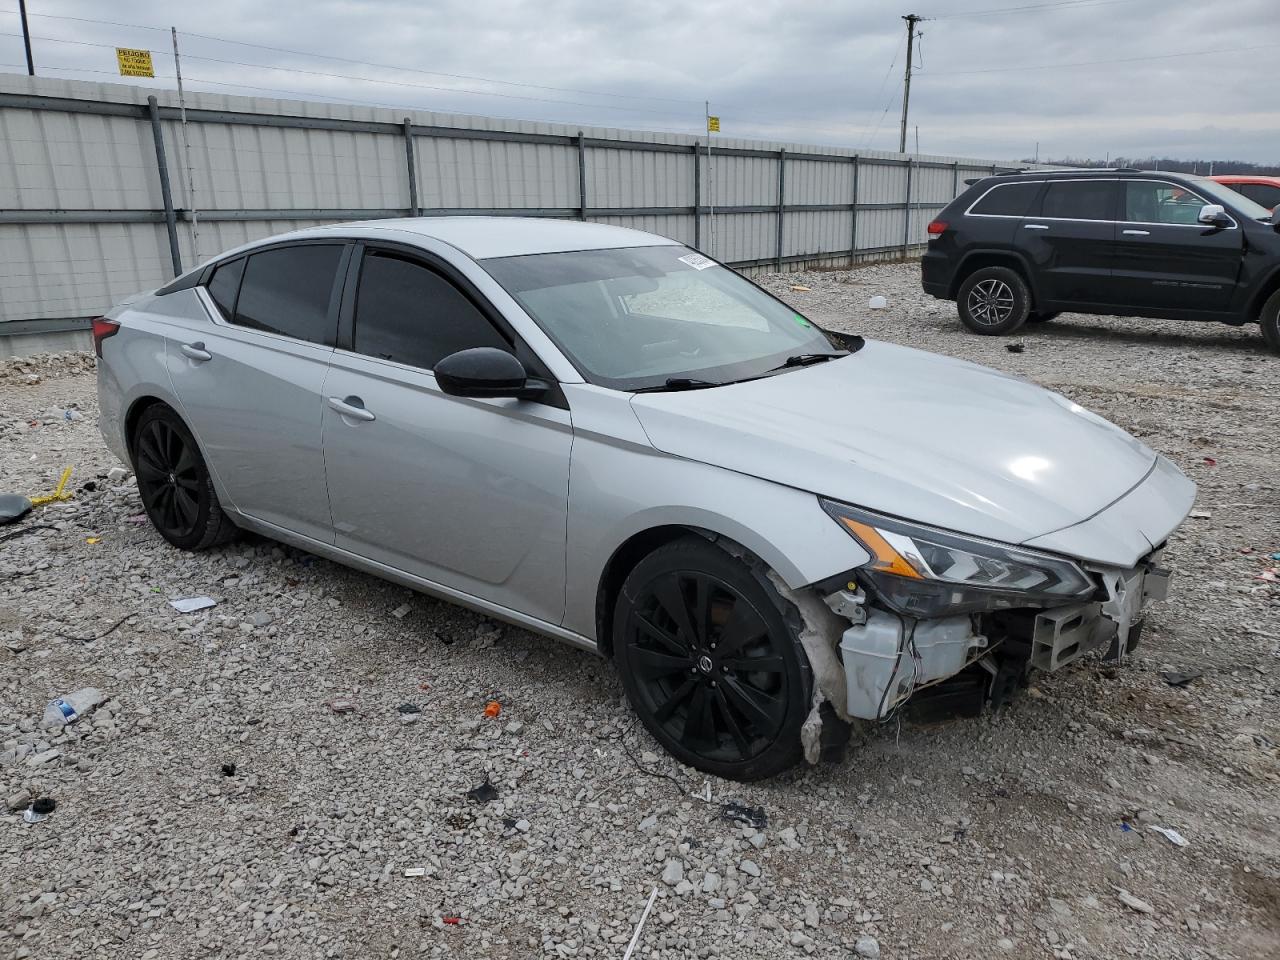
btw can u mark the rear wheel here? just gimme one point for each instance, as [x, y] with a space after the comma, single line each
[710, 659]
[993, 301]
[177, 490]
[1270, 321]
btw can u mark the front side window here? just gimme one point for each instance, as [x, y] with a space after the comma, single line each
[408, 313]
[1006, 200]
[633, 317]
[1148, 201]
[287, 291]
[1079, 200]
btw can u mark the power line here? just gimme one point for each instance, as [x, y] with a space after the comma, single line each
[1097, 63]
[363, 63]
[1031, 8]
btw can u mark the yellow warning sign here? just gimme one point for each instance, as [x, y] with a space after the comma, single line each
[713, 124]
[134, 63]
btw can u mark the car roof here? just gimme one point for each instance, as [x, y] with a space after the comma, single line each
[483, 238]
[1246, 178]
[1095, 173]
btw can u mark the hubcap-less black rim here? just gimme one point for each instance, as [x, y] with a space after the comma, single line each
[991, 302]
[707, 666]
[168, 479]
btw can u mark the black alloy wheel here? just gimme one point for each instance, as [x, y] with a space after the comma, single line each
[993, 301]
[177, 491]
[709, 663]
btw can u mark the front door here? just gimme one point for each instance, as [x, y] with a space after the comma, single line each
[470, 494]
[249, 381]
[1165, 258]
[1068, 240]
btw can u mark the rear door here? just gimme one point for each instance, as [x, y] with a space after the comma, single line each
[1165, 258]
[250, 383]
[1068, 238]
[471, 494]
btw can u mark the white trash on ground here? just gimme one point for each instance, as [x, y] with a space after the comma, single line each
[63, 711]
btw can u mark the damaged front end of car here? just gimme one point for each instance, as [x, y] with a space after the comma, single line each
[932, 605]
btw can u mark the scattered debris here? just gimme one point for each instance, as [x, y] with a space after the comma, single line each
[13, 507]
[415, 872]
[1269, 575]
[1175, 679]
[492, 709]
[40, 809]
[98, 636]
[401, 611]
[59, 492]
[138, 518]
[1015, 347]
[228, 769]
[64, 711]
[192, 604]
[341, 705]
[635, 937]
[1173, 836]
[877, 303]
[483, 793]
[408, 708]
[1134, 903]
[92, 540]
[800, 288]
[1209, 461]
[736, 812]
[1200, 514]
[451, 921]
[116, 474]
[22, 531]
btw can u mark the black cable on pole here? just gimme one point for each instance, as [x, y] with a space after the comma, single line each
[26, 37]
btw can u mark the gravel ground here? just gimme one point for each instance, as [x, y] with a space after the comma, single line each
[219, 806]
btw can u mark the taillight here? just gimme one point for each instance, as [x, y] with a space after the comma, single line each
[937, 228]
[103, 328]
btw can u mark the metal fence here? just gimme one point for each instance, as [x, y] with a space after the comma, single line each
[96, 180]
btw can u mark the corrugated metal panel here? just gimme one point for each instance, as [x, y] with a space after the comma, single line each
[816, 232]
[631, 178]
[810, 181]
[487, 173]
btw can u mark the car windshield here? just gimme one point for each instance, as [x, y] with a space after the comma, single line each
[637, 317]
[1221, 193]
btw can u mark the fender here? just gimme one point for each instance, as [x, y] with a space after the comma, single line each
[1008, 253]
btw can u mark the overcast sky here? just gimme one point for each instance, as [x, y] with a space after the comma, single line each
[991, 85]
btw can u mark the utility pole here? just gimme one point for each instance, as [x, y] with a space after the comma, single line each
[912, 20]
[26, 37]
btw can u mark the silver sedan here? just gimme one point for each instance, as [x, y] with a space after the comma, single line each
[605, 437]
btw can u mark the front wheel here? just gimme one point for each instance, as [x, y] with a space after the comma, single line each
[993, 301]
[710, 659]
[1270, 321]
[176, 487]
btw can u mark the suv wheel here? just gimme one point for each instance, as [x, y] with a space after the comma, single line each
[1270, 321]
[993, 301]
[710, 658]
[177, 490]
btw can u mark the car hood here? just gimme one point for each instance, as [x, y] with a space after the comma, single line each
[913, 434]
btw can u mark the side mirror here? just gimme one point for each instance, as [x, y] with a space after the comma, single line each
[486, 372]
[1215, 215]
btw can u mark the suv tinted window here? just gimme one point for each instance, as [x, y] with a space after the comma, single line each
[1146, 201]
[287, 291]
[1263, 193]
[225, 284]
[1006, 200]
[1079, 200]
[408, 313]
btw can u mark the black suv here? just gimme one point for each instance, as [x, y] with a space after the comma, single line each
[1025, 246]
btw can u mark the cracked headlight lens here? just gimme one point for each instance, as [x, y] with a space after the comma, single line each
[926, 572]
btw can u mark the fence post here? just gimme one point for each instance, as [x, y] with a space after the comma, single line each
[582, 176]
[413, 168]
[782, 186]
[906, 227]
[853, 209]
[697, 199]
[166, 193]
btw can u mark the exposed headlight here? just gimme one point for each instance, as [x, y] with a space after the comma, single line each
[925, 572]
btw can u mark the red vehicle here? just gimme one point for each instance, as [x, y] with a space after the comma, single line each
[1263, 190]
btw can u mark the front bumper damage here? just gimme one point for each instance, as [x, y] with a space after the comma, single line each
[885, 658]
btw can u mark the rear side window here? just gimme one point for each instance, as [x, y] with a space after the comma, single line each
[1006, 200]
[1079, 200]
[224, 285]
[287, 291]
[408, 313]
[1263, 193]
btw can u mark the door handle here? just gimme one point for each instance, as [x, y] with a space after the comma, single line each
[1137, 233]
[1035, 226]
[352, 407]
[196, 351]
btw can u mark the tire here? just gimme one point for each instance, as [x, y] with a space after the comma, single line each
[993, 301]
[1270, 322]
[1035, 316]
[736, 712]
[176, 488]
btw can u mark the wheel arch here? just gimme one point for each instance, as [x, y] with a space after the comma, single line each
[137, 407]
[1269, 286]
[977, 259]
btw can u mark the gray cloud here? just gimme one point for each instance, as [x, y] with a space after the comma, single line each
[801, 71]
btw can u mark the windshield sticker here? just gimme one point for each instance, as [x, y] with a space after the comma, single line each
[800, 320]
[697, 261]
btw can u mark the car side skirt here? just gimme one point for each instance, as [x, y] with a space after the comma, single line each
[429, 587]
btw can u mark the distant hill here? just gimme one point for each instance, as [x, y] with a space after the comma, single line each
[1203, 167]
